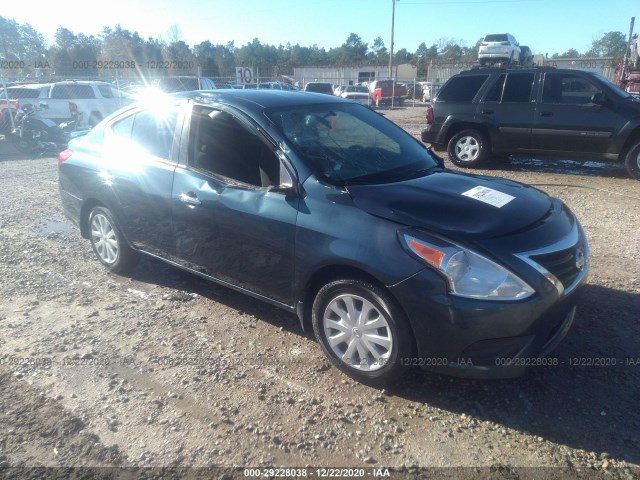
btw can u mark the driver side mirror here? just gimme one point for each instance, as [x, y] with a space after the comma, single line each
[287, 185]
[439, 160]
[598, 99]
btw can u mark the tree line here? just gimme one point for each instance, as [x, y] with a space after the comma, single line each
[24, 53]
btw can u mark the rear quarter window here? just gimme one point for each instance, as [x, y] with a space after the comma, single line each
[22, 92]
[462, 89]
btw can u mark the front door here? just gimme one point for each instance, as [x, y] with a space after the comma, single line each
[568, 121]
[227, 223]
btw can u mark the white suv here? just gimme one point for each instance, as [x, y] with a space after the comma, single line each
[499, 48]
[92, 99]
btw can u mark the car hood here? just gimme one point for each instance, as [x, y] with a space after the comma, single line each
[449, 203]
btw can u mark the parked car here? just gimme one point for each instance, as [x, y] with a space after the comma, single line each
[319, 87]
[526, 56]
[543, 111]
[357, 93]
[92, 100]
[328, 210]
[499, 48]
[185, 84]
[337, 91]
[387, 91]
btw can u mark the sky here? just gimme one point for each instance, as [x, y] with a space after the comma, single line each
[546, 26]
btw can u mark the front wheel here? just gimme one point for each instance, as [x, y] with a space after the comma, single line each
[22, 144]
[362, 331]
[108, 243]
[468, 148]
[632, 161]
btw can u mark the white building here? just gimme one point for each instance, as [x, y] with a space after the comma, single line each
[352, 74]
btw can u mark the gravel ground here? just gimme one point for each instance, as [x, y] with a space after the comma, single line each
[163, 369]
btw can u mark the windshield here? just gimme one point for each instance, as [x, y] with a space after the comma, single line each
[617, 90]
[500, 37]
[350, 144]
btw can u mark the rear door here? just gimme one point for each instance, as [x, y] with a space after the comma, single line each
[568, 121]
[508, 110]
[140, 154]
[227, 223]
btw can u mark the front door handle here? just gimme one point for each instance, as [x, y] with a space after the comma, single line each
[487, 112]
[190, 198]
[546, 114]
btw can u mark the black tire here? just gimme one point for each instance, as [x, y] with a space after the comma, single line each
[23, 145]
[391, 328]
[632, 161]
[468, 148]
[108, 243]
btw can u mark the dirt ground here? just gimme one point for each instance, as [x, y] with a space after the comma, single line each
[163, 369]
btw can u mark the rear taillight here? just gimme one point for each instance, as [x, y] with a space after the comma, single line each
[64, 156]
[17, 105]
[429, 115]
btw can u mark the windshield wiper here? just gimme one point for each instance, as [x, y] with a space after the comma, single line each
[423, 172]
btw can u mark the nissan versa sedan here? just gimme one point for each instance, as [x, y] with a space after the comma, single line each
[326, 209]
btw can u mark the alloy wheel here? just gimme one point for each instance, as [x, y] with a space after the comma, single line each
[104, 238]
[467, 148]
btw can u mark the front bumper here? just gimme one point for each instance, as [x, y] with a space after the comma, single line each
[477, 338]
[429, 135]
[484, 339]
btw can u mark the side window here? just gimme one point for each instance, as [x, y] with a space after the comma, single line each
[122, 128]
[462, 89]
[567, 89]
[154, 133]
[518, 87]
[514, 87]
[105, 91]
[222, 145]
[72, 91]
[495, 92]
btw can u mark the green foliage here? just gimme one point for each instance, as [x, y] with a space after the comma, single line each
[21, 42]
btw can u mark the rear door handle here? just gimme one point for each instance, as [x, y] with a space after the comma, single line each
[487, 112]
[546, 114]
[190, 198]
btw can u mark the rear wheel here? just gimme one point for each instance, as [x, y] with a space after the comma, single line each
[362, 331]
[468, 148]
[108, 243]
[632, 161]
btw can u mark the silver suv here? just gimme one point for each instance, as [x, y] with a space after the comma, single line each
[499, 48]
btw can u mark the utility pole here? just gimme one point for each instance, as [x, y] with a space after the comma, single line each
[393, 14]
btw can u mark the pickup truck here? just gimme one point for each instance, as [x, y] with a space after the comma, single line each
[92, 100]
[386, 91]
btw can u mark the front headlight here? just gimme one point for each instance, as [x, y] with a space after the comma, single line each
[468, 273]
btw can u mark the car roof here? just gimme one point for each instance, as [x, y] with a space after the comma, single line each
[81, 82]
[491, 70]
[256, 99]
[32, 85]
